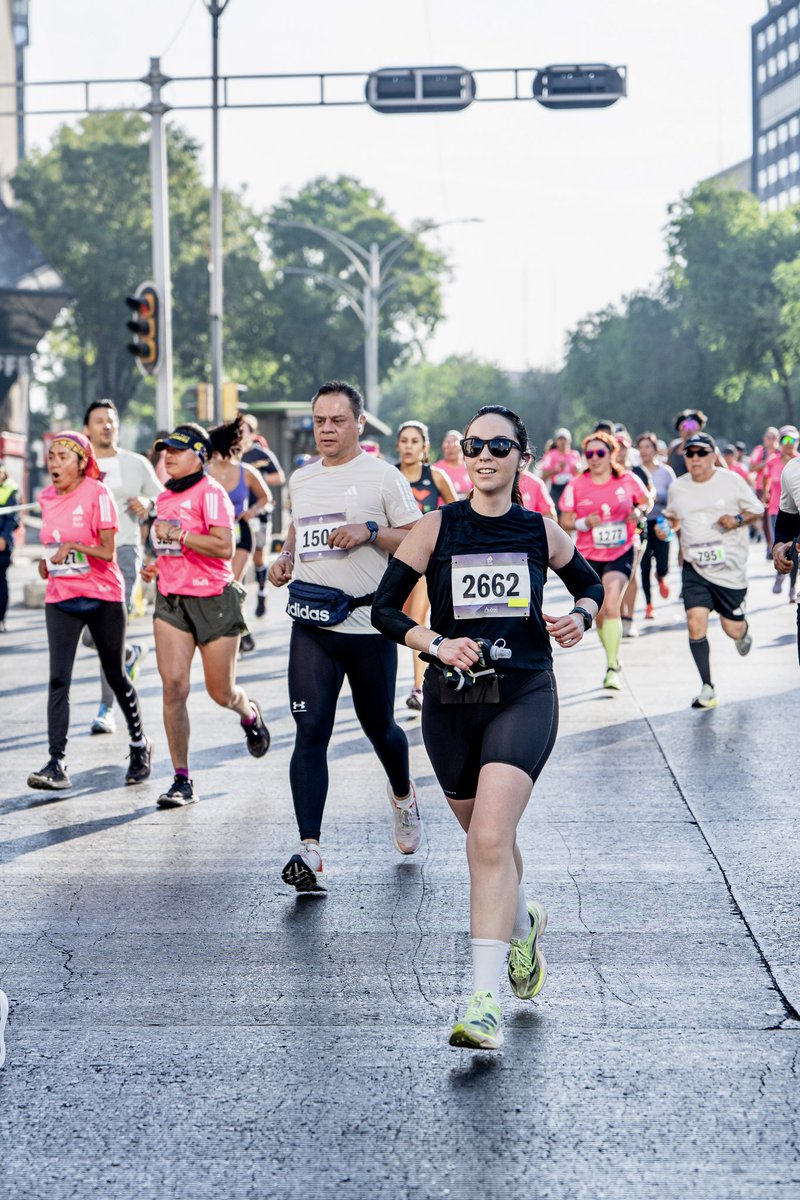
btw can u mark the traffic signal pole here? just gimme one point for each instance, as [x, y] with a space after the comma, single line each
[159, 191]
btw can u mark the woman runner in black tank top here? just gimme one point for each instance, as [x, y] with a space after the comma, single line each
[431, 488]
[486, 560]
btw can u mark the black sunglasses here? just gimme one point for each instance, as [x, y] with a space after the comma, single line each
[694, 453]
[596, 453]
[499, 447]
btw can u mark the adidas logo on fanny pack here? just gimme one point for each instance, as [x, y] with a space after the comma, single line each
[305, 612]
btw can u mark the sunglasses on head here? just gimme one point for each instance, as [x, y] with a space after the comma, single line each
[690, 426]
[498, 447]
[596, 453]
[694, 452]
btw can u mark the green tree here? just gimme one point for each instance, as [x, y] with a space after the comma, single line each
[86, 202]
[315, 335]
[444, 395]
[725, 253]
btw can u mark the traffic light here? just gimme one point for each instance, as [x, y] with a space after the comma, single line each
[205, 403]
[592, 85]
[230, 400]
[420, 89]
[143, 325]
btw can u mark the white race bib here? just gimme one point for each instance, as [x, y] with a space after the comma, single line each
[75, 565]
[313, 534]
[707, 554]
[608, 534]
[563, 479]
[172, 549]
[490, 585]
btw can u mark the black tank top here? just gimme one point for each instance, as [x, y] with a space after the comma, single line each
[463, 531]
[425, 491]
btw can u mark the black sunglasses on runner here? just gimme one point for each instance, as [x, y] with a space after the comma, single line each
[499, 447]
[693, 452]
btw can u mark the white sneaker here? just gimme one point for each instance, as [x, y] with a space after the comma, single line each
[304, 870]
[3, 1019]
[406, 821]
[104, 721]
[707, 697]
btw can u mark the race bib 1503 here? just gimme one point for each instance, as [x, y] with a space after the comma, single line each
[313, 534]
[490, 585]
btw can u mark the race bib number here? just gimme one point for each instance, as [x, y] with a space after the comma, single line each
[74, 565]
[610, 534]
[707, 554]
[313, 534]
[171, 549]
[563, 479]
[490, 585]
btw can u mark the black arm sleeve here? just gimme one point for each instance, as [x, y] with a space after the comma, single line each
[399, 580]
[581, 580]
[787, 526]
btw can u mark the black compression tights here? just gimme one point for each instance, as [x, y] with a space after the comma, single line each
[319, 660]
[107, 627]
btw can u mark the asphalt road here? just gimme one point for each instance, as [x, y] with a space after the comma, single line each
[182, 1026]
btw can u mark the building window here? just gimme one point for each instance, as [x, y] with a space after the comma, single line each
[771, 34]
[772, 67]
[782, 102]
[782, 26]
[783, 168]
[772, 139]
[761, 42]
[783, 60]
[772, 204]
[794, 195]
[772, 173]
[794, 162]
[794, 127]
[783, 132]
[792, 18]
[762, 74]
[762, 180]
[793, 52]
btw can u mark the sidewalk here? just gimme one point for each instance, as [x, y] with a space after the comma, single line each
[183, 1027]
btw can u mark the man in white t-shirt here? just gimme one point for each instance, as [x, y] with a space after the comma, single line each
[787, 526]
[350, 511]
[134, 486]
[711, 508]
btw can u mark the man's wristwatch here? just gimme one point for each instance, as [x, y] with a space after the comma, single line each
[587, 617]
[373, 527]
[739, 518]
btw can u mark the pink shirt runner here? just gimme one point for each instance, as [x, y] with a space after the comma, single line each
[613, 502]
[184, 572]
[535, 496]
[78, 517]
[458, 475]
[564, 467]
[771, 477]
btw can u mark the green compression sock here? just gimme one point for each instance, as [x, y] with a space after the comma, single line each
[610, 634]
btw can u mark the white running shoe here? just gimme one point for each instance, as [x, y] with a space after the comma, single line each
[104, 721]
[406, 821]
[706, 698]
[304, 870]
[3, 1019]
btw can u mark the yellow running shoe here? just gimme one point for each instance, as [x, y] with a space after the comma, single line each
[527, 966]
[611, 681]
[479, 1028]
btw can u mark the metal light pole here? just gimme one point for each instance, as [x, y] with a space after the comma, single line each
[216, 8]
[375, 267]
[162, 278]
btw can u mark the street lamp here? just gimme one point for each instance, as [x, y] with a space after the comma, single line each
[375, 268]
[216, 8]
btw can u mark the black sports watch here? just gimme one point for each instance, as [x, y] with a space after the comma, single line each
[373, 527]
[587, 617]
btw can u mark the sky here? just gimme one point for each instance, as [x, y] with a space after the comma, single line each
[572, 205]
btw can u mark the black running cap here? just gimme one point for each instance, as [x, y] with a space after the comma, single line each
[185, 438]
[700, 439]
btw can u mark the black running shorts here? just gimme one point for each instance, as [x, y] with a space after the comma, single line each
[206, 618]
[699, 593]
[623, 564]
[519, 730]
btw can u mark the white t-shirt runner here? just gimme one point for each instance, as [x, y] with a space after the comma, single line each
[323, 498]
[719, 555]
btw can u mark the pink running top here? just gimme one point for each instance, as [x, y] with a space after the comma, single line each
[613, 502]
[79, 516]
[184, 572]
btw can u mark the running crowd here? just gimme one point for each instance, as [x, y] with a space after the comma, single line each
[446, 559]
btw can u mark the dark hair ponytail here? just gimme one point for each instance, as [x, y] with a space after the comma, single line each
[520, 433]
[226, 440]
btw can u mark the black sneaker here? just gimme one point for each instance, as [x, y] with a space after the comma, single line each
[248, 643]
[257, 734]
[181, 792]
[53, 777]
[139, 765]
[261, 605]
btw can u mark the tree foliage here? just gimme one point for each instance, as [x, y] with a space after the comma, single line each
[316, 335]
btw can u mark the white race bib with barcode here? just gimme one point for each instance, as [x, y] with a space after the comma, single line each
[707, 554]
[608, 534]
[490, 585]
[74, 565]
[313, 534]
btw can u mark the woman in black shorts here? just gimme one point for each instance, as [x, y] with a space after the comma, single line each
[490, 714]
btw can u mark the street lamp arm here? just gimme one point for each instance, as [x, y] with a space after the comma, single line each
[392, 250]
[397, 282]
[347, 293]
[356, 253]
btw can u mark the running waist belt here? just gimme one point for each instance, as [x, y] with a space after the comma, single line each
[313, 604]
